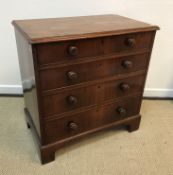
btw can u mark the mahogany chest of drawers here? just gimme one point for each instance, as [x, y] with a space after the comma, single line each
[81, 75]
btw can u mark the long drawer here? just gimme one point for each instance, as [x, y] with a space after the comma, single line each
[75, 124]
[73, 99]
[84, 72]
[61, 52]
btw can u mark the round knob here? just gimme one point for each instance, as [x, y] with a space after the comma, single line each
[124, 86]
[72, 50]
[122, 111]
[73, 126]
[130, 42]
[127, 64]
[72, 75]
[72, 100]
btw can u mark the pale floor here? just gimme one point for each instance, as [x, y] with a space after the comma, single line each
[148, 151]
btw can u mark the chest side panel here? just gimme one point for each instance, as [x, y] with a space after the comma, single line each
[25, 56]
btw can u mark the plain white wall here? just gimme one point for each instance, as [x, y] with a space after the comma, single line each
[160, 77]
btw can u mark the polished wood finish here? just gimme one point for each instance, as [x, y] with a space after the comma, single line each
[73, 74]
[80, 97]
[58, 52]
[81, 75]
[69, 28]
[59, 129]
[30, 89]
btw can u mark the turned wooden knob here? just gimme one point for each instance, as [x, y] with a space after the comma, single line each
[73, 126]
[124, 86]
[122, 111]
[72, 75]
[73, 51]
[130, 42]
[72, 100]
[127, 64]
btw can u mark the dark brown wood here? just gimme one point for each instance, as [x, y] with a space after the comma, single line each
[29, 84]
[58, 29]
[124, 86]
[58, 129]
[72, 51]
[81, 75]
[88, 95]
[73, 126]
[127, 64]
[122, 111]
[47, 152]
[72, 100]
[95, 70]
[58, 52]
[133, 126]
[130, 42]
[72, 76]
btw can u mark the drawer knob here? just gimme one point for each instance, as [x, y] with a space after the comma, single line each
[73, 51]
[72, 100]
[130, 42]
[127, 64]
[72, 75]
[124, 86]
[122, 111]
[73, 126]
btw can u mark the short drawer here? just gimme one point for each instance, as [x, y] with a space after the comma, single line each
[68, 51]
[79, 123]
[128, 42]
[84, 72]
[122, 87]
[68, 100]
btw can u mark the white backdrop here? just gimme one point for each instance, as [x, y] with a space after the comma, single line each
[159, 12]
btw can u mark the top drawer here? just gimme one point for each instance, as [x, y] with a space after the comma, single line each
[61, 52]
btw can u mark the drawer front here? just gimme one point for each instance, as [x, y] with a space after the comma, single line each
[75, 124]
[122, 87]
[129, 42]
[69, 100]
[76, 74]
[68, 51]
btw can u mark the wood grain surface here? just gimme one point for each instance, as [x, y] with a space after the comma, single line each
[81, 75]
[56, 29]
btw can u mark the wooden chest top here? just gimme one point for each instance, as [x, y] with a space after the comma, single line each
[67, 28]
